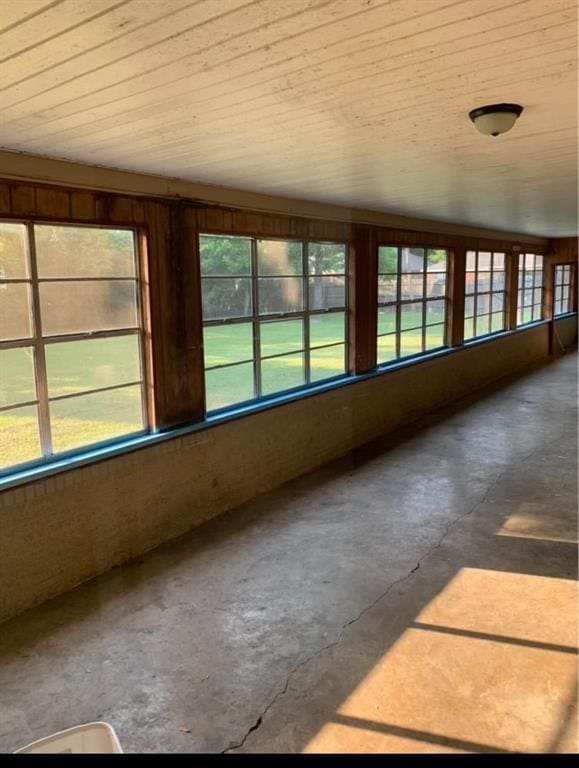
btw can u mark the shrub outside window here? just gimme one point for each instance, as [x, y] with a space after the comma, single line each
[274, 316]
[71, 342]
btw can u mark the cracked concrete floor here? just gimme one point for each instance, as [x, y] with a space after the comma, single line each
[417, 595]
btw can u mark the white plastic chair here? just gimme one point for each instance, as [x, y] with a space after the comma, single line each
[91, 738]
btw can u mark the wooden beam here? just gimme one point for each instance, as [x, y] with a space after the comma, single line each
[512, 281]
[456, 289]
[363, 299]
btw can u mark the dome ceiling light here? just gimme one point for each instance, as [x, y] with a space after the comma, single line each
[495, 119]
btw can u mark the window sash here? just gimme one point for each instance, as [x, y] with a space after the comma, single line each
[530, 276]
[39, 342]
[473, 292]
[399, 302]
[256, 319]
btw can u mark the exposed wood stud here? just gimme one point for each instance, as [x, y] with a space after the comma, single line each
[23, 200]
[5, 207]
[52, 203]
[456, 282]
[82, 206]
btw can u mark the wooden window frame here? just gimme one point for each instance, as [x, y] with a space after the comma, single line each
[398, 303]
[256, 319]
[39, 341]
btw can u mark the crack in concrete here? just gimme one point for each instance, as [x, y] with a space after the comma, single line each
[375, 602]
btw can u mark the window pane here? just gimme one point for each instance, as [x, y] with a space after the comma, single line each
[327, 292]
[386, 320]
[469, 306]
[484, 261]
[327, 329]
[13, 253]
[483, 281]
[17, 384]
[483, 304]
[469, 329]
[410, 315]
[470, 261]
[412, 259]
[529, 261]
[76, 307]
[482, 325]
[225, 255]
[230, 343]
[470, 283]
[539, 262]
[498, 261]
[281, 373]
[435, 284]
[75, 366]
[226, 386]
[387, 259]
[386, 348]
[498, 302]
[436, 260]
[279, 257]
[497, 321]
[87, 419]
[387, 287]
[435, 312]
[498, 281]
[538, 278]
[435, 336]
[326, 258]
[281, 336]
[411, 342]
[84, 252]
[327, 362]
[19, 436]
[538, 296]
[226, 297]
[280, 294]
[412, 287]
[15, 319]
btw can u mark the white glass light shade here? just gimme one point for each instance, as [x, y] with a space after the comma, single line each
[495, 123]
[495, 119]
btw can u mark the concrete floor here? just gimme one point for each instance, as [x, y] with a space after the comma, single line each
[416, 596]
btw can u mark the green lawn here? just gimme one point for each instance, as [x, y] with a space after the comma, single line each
[72, 367]
[233, 343]
[75, 367]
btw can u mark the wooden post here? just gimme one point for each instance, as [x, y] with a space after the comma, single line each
[363, 299]
[512, 276]
[176, 324]
[456, 294]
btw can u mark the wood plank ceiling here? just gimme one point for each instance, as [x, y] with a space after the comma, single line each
[357, 102]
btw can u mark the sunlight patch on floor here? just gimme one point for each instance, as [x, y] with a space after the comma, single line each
[489, 665]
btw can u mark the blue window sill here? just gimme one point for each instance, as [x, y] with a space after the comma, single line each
[128, 445]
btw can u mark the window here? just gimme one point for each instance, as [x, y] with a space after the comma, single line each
[530, 293]
[71, 371]
[563, 287]
[274, 316]
[485, 294]
[411, 301]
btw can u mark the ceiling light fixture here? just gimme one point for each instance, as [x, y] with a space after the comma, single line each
[495, 119]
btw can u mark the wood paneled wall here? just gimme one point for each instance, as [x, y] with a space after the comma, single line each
[169, 230]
